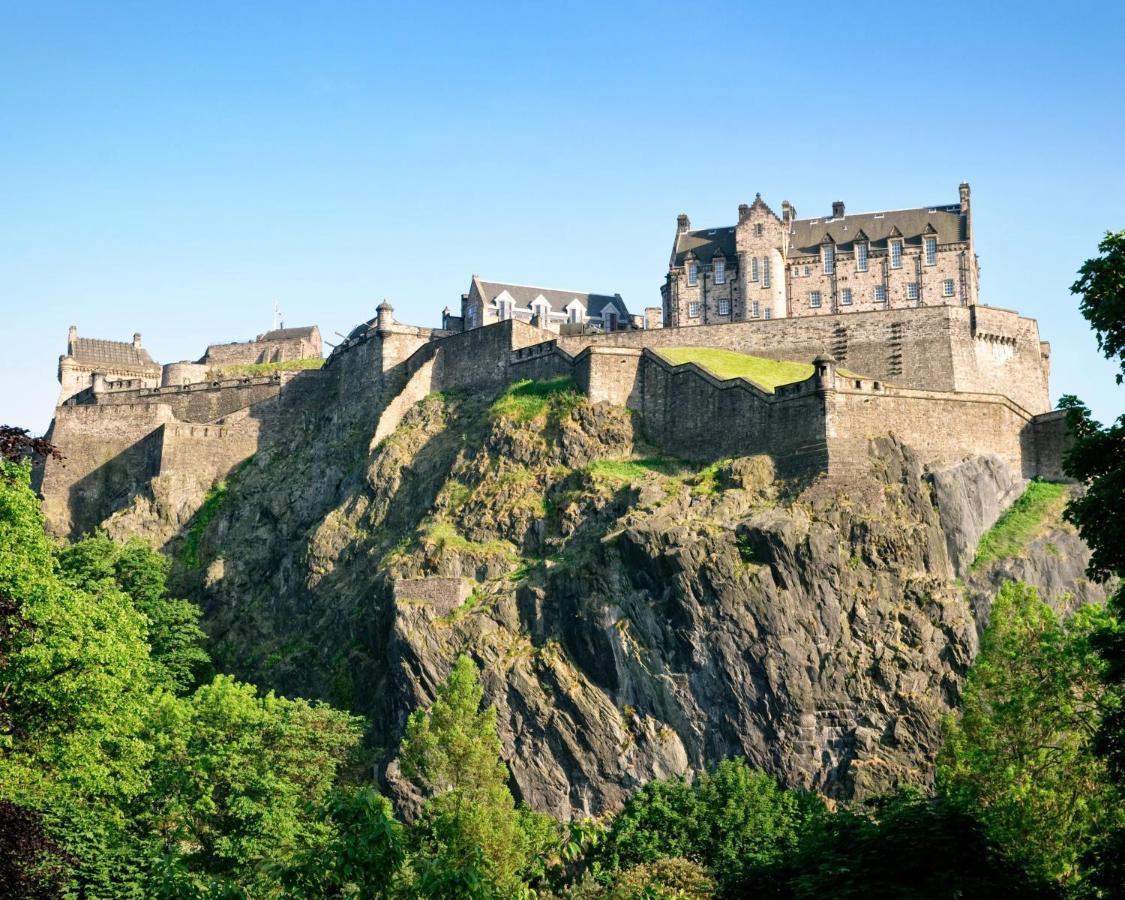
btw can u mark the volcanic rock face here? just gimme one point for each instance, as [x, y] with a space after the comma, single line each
[634, 617]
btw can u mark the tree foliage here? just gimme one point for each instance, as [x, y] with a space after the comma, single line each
[1021, 753]
[1101, 284]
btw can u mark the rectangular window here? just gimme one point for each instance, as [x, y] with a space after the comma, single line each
[880, 293]
[814, 300]
[692, 274]
[720, 268]
[724, 307]
[846, 297]
[931, 251]
[765, 271]
[504, 309]
[758, 229]
[828, 257]
[947, 288]
[912, 290]
[806, 271]
[693, 310]
[896, 254]
[753, 268]
[769, 313]
[861, 257]
[755, 310]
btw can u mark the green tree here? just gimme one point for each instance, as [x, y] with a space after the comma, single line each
[468, 841]
[237, 777]
[99, 565]
[1021, 753]
[1097, 460]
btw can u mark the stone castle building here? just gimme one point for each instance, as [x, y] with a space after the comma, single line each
[488, 302]
[90, 361]
[771, 267]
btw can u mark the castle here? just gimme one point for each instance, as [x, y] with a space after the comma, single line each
[772, 267]
[951, 377]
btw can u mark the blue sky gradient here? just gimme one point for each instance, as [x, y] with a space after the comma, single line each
[177, 168]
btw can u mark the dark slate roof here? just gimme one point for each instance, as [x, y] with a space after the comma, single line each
[288, 334]
[705, 244]
[114, 354]
[805, 235]
[524, 294]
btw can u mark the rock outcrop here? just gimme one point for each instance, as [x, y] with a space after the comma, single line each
[634, 617]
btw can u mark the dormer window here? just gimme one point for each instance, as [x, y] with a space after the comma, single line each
[692, 274]
[828, 258]
[896, 254]
[753, 268]
[861, 257]
[931, 250]
[503, 308]
[720, 268]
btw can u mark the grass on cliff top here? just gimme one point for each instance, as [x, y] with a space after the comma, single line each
[1020, 522]
[766, 373]
[527, 400]
[268, 368]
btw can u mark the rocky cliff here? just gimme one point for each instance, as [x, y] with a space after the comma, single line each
[634, 616]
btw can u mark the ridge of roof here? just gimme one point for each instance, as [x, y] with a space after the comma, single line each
[538, 287]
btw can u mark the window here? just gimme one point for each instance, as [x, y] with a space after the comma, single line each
[753, 268]
[693, 310]
[912, 290]
[880, 293]
[846, 297]
[814, 300]
[806, 271]
[828, 257]
[755, 310]
[931, 251]
[769, 313]
[896, 254]
[503, 309]
[765, 271]
[759, 229]
[543, 311]
[609, 317]
[692, 274]
[724, 307]
[720, 267]
[947, 288]
[861, 257]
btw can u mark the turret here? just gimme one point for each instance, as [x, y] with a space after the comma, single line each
[385, 315]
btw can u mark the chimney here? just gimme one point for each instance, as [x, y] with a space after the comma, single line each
[788, 212]
[136, 340]
[963, 190]
[743, 212]
[838, 209]
[683, 223]
[72, 340]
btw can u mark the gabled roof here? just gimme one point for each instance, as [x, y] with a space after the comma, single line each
[705, 244]
[524, 295]
[288, 334]
[805, 235]
[96, 353]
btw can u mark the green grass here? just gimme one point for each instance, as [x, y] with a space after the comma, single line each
[446, 536]
[627, 470]
[212, 503]
[1019, 523]
[528, 400]
[268, 368]
[766, 373]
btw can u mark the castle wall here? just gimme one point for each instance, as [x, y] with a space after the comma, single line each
[180, 373]
[253, 352]
[943, 429]
[1052, 440]
[539, 362]
[611, 375]
[111, 452]
[690, 413]
[932, 348]
[202, 402]
[207, 452]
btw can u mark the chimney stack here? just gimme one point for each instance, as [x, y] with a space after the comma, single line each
[136, 340]
[72, 340]
[788, 212]
[963, 190]
[683, 223]
[743, 212]
[838, 209]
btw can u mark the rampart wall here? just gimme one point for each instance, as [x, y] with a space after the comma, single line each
[942, 348]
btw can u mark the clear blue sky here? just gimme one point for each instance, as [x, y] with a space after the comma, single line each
[176, 168]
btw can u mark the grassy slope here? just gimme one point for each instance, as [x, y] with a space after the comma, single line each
[1020, 522]
[766, 373]
[267, 368]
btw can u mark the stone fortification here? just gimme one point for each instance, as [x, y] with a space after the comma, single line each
[951, 382]
[280, 345]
